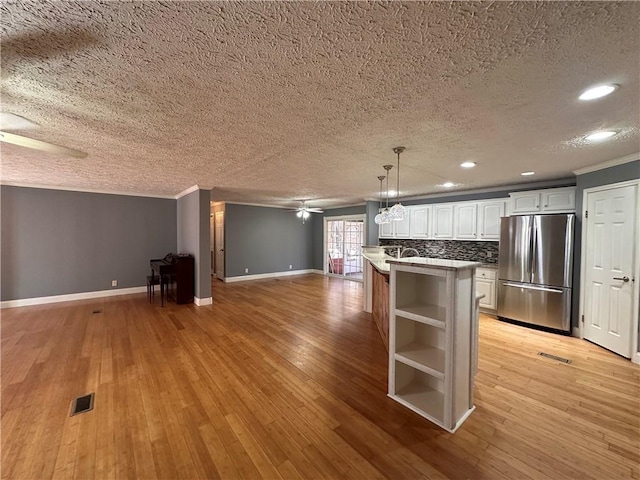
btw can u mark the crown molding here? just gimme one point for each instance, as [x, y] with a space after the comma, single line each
[187, 191]
[610, 163]
[85, 190]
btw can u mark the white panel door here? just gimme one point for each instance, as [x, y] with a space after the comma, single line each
[443, 222]
[609, 251]
[420, 221]
[466, 221]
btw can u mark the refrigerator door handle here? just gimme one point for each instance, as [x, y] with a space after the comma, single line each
[534, 248]
[529, 287]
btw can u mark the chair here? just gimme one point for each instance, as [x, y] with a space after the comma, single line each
[152, 281]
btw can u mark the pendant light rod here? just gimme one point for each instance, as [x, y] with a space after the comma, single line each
[381, 178]
[387, 168]
[398, 151]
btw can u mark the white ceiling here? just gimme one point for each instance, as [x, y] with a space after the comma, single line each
[272, 102]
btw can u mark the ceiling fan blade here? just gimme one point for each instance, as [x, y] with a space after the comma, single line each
[40, 145]
[315, 210]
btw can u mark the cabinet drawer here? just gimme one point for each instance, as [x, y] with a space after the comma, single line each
[486, 273]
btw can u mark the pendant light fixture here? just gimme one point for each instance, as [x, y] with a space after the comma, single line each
[385, 218]
[398, 211]
[378, 218]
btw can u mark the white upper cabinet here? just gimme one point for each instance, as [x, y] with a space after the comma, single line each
[449, 221]
[443, 221]
[466, 221]
[402, 227]
[524, 202]
[489, 215]
[559, 200]
[386, 230]
[396, 229]
[552, 200]
[420, 221]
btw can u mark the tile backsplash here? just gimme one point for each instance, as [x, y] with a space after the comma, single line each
[484, 252]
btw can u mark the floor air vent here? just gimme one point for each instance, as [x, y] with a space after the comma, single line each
[97, 310]
[553, 357]
[82, 404]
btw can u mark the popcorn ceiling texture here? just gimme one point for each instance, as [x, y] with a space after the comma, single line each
[275, 101]
[484, 252]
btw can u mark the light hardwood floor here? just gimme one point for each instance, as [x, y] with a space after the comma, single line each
[287, 379]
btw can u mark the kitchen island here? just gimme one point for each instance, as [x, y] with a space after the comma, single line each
[433, 337]
[426, 310]
[376, 287]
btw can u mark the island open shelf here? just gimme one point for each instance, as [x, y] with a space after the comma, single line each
[431, 327]
[420, 391]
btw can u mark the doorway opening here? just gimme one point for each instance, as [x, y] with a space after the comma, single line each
[344, 237]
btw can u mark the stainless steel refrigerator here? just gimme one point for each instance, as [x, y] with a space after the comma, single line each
[535, 268]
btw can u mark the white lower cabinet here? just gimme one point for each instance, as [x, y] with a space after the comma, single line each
[431, 340]
[486, 285]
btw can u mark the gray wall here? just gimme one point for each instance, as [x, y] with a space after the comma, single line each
[60, 242]
[619, 173]
[266, 240]
[371, 235]
[318, 230]
[193, 237]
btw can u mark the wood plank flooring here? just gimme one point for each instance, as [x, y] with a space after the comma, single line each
[287, 379]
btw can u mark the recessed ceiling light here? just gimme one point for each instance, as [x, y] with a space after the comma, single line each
[468, 164]
[601, 135]
[526, 174]
[448, 184]
[597, 92]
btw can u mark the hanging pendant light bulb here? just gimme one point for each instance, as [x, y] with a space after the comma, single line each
[378, 218]
[398, 211]
[385, 218]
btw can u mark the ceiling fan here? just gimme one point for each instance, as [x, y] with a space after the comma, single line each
[304, 212]
[11, 121]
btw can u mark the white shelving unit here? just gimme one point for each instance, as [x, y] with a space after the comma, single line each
[431, 338]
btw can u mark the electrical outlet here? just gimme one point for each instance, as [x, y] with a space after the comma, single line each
[489, 254]
[290, 267]
[114, 283]
[246, 270]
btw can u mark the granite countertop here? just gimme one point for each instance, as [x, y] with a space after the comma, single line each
[434, 263]
[488, 265]
[379, 262]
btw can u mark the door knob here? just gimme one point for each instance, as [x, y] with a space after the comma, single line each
[625, 279]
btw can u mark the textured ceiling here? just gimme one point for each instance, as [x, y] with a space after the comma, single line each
[268, 102]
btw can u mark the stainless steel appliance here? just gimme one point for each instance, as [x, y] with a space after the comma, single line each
[535, 268]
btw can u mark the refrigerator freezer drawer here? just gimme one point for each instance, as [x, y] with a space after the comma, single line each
[535, 304]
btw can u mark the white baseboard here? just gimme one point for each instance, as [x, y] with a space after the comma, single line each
[201, 302]
[71, 297]
[261, 276]
[575, 332]
[636, 358]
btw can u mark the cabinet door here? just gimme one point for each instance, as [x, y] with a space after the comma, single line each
[386, 230]
[466, 221]
[401, 227]
[488, 289]
[443, 222]
[525, 202]
[420, 221]
[489, 214]
[559, 200]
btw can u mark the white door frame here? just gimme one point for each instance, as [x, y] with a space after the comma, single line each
[325, 269]
[635, 355]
